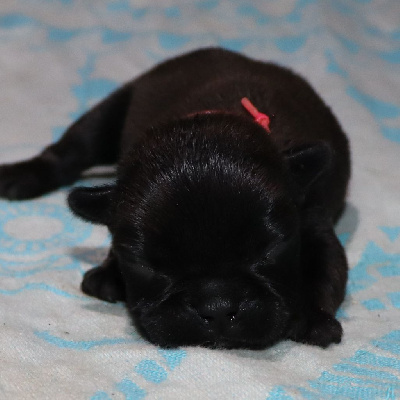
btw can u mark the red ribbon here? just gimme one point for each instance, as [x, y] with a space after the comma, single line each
[259, 117]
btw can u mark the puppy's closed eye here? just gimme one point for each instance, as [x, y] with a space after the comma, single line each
[126, 257]
[143, 271]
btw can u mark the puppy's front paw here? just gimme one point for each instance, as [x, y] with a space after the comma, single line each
[319, 329]
[103, 283]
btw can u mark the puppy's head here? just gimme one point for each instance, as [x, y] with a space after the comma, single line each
[205, 225]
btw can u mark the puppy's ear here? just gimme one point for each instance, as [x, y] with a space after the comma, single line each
[93, 204]
[307, 162]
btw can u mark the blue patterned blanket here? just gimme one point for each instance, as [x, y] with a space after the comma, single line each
[57, 58]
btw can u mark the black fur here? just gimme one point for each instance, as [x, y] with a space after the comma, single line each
[222, 235]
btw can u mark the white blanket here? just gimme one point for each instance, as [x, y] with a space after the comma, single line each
[57, 58]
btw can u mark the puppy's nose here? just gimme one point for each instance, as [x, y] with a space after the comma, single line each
[219, 314]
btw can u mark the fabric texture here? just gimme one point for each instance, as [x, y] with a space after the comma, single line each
[58, 58]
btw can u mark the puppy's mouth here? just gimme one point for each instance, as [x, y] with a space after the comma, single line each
[240, 337]
[223, 343]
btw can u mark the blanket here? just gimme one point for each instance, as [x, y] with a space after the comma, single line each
[57, 59]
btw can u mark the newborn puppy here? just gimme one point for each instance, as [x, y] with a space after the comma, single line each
[221, 215]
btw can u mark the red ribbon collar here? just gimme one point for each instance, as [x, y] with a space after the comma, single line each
[259, 117]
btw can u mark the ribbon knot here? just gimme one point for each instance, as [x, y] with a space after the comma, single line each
[259, 117]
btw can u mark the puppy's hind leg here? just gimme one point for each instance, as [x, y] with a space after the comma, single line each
[105, 281]
[324, 267]
[93, 139]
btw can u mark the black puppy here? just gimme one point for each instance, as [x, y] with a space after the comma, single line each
[221, 217]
